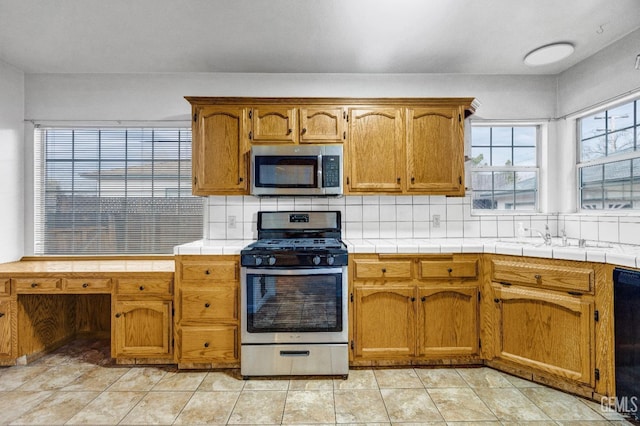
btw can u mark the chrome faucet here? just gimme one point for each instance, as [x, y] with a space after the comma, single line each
[546, 235]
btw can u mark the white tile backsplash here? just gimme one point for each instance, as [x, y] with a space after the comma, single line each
[391, 217]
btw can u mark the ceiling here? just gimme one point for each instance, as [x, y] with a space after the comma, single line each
[305, 36]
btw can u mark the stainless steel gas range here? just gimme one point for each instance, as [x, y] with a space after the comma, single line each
[294, 296]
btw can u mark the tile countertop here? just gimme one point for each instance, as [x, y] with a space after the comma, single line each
[618, 254]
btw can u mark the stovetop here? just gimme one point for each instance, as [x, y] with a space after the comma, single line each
[298, 244]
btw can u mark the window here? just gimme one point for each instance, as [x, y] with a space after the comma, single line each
[114, 191]
[504, 170]
[609, 158]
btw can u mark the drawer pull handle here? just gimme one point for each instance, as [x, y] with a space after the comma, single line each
[449, 270]
[207, 272]
[295, 353]
[118, 315]
[85, 285]
[206, 344]
[575, 293]
[384, 270]
[538, 277]
[34, 285]
[141, 288]
[207, 305]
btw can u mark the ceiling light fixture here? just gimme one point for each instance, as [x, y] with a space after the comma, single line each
[548, 54]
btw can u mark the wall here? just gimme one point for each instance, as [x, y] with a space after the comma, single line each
[608, 76]
[11, 162]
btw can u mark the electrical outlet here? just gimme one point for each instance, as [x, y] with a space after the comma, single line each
[436, 221]
[231, 222]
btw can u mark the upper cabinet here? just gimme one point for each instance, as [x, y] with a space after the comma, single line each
[392, 145]
[219, 150]
[375, 150]
[435, 150]
[273, 124]
[322, 124]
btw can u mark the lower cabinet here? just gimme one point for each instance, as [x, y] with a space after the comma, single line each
[207, 311]
[142, 320]
[545, 330]
[415, 309]
[142, 329]
[7, 313]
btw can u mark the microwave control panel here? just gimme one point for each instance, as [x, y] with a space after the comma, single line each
[330, 171]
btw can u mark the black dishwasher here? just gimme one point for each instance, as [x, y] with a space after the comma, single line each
[626, 299]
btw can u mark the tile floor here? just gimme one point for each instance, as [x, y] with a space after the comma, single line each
[78, 384]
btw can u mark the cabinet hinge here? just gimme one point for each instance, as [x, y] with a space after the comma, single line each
[596, 373]
[173, 342]
[459, 118]
[596, 315]
[351, 297]
[344, 135]
[250, 113]
[195, 117]
[504, 283]
[479, 296]
[195, 180]
[173, 312]
[250, 135]
[460, 180]
[480, 343]
[352, 345]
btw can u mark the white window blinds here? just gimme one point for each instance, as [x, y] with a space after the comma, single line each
[114, 191]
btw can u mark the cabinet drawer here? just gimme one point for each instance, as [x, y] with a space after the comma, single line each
[218, 343]
[37, 285]
[559, 277]
[449, 269]
[209, 271]
[144, 286]
[382, 269]
[213, 304]
[5, 287]
[87, 284]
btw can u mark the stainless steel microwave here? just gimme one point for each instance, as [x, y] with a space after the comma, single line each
[296, 170]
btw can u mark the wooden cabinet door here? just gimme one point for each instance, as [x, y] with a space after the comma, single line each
[142, 328]
[385, 322]
[435, 150]
[322, 125]
[274, 124]
[547, 331]
[376, 150]
[6, 336]
[219, 157]
[447, 320]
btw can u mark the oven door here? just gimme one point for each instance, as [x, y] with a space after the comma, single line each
[296, 305]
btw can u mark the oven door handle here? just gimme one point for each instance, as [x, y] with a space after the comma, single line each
[295, 353]
[286, 270]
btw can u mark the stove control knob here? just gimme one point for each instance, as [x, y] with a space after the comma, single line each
[316, 260]
[330, 259]
[257, 260]
[272, 260]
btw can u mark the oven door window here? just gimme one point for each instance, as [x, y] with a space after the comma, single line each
[294, 303]
[286, 172]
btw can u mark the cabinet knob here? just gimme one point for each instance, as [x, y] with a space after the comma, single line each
[304, 130]
[413, 179]
[384, 270]
[206, 344]
[85, 285]
[289, 132]
[1, 314]
[449, 270]
[207, 305]
[118, 315]
[240, 179]
[141, 287]
[398, 179]
[207, 272]
[413, 299]
[496, 300]
[538, 277]
[34, 285]
[424, 298]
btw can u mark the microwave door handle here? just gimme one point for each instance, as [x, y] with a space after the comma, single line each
[320, 183]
